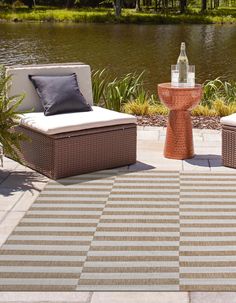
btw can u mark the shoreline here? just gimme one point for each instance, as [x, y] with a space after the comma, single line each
[108, 17]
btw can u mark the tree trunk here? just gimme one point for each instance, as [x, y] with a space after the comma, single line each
[216, 3]
[155, 5]
[118, 8]
[138, 6]
[204, 5]
[29, 3]
[183, 4]
[69, 3]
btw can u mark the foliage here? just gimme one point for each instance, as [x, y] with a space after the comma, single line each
[17, 4]
[113, 94]
[215, 89]
[128, 94]
[145, 105]
[9, 118]
[222, 108]
[218, 108]
[137, 108]
[145, 109]
[102, 15]
[203, 110]
[121, 90]
[99, 82]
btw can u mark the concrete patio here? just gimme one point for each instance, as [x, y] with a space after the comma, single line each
[20, 186]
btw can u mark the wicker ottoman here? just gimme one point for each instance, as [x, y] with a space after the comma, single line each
[75, 143]
[79, 152]
[229, 140]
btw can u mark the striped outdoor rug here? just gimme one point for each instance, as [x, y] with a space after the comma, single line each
[147, 230]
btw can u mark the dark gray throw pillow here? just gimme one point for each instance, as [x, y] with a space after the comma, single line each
[60, 94]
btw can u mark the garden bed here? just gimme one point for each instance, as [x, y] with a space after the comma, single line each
[198, 121]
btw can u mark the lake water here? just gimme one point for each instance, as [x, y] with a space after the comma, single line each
[123, 48]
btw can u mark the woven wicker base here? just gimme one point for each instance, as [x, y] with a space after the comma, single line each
[80, 152]
[229, 146]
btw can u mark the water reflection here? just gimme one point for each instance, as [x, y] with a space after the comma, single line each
[123, 48]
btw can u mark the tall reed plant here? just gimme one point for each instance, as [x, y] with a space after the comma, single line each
[215, 89]
[128, 94]
[113, 94]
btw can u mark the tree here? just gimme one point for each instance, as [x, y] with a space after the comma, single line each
[117, 4]
[155, 5]
[138, 6]
[204, 5]
[29, 3]
[183, 5]
[70, 3]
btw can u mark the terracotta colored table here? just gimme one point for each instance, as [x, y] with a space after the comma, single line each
[179, 137]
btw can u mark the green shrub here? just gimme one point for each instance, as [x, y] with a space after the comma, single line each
[9, 118]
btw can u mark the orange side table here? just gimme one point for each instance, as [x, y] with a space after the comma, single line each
[179, 137]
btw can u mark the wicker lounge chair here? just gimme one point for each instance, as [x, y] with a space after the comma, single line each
[229, 140]
[70, 144]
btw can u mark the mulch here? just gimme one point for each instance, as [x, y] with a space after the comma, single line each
[198, 121]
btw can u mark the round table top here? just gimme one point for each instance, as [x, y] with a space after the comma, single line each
[170, 87]
[180, 98]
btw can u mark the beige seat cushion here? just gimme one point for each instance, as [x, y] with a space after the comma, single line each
[229, 120]
[62, 123]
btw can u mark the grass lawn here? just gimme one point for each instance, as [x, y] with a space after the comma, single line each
[222, 15]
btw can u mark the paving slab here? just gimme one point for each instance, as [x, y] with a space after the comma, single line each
[8, 224]
[140, 297]
[23, 180]
[208, 151]
[8, 198]
[3, 174]
[150, 145]
[26, 201]
[9, 165]
[210, 131]
[151, 128]
[148, 135]
[2, 215]
[196, 164]
[211, 138]
[140, 166]
[43, 297]
[213, 297]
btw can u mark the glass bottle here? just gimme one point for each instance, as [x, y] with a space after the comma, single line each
[182, 63]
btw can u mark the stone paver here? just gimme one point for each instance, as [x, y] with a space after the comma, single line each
[140, 297]
[213, 297]
[8, 224]
[196, 164]
[9, 198]
[43, 297]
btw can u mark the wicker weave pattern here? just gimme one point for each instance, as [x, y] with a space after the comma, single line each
[229, 146]
[80, 152]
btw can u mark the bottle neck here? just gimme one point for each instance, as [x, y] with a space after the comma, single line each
[182, 51]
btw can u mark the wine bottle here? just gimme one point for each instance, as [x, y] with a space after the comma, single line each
[182, 63]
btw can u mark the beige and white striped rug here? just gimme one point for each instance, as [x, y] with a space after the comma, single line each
[148, 230]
